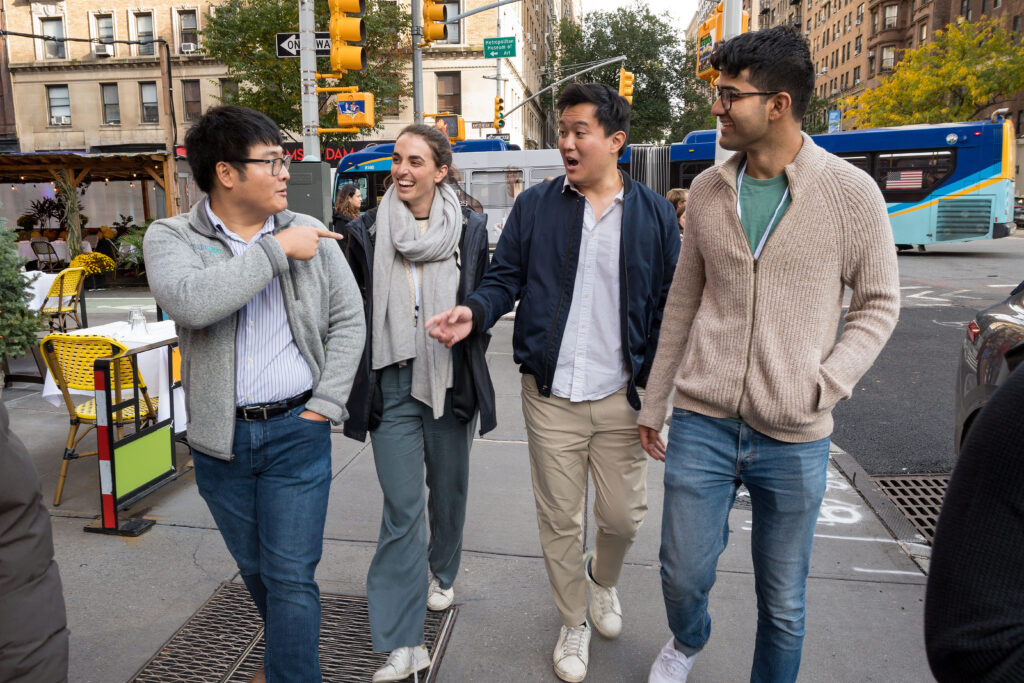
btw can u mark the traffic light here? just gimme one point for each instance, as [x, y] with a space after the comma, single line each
[355, 110]
[626, 84]
[499, 112]
[434, 16]
[347, 36]
[709, 35]
[453, 125]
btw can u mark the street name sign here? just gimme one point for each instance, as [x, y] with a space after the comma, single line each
[483, 124]
[499, 47]
[499, 136]
[288, 44]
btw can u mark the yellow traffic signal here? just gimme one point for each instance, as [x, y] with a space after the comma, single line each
[355, 110]
[709, 34]
[626, 84]
[452, 125]
[347, 35]
[434, 16]
[499, 112]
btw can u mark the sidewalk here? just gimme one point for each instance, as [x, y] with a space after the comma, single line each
[127, 596]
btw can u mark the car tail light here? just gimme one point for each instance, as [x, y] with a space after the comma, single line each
[972, 331]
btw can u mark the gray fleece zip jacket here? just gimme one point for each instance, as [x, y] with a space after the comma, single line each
[202, 287]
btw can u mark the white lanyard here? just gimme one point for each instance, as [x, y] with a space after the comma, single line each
[771, 223]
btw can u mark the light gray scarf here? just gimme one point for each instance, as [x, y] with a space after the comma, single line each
[394, 338]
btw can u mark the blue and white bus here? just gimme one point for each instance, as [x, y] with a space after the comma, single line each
[941, 182]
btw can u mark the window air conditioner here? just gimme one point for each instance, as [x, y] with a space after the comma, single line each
[60, 120]
[871, 53]
[824, 69]
[856, 81]
[187, 48]
[858, 22]
[807, 32]
[102, 50]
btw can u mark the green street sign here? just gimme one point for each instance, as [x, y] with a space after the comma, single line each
[499, 47]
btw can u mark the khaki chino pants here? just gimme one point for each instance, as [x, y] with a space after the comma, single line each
[566, 441]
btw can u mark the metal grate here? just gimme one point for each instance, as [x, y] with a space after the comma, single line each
[223, 642]
[919, 498]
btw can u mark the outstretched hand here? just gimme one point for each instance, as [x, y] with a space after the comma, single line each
[651, 442]
[301, 241]
[451, 326]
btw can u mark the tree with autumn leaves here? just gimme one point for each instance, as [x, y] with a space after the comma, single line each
[967, 69]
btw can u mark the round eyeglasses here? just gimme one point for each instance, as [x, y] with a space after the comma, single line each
[276, 164]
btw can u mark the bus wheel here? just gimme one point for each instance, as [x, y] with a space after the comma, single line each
[902, 247]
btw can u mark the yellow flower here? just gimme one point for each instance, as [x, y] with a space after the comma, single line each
[94, 263]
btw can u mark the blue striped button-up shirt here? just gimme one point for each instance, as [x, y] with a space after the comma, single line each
[268, 365]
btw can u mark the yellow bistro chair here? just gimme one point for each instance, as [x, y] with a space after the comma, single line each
[70, 359]
[64, 299]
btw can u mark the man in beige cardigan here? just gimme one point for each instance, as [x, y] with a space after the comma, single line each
[748, 342]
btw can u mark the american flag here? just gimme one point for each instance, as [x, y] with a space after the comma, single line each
[904, 180]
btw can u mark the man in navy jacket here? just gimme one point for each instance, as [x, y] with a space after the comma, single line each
[589, 257]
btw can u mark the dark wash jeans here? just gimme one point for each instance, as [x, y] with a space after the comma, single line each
[270, 504]
[706, 459]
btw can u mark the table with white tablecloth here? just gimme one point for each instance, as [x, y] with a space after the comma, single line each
[38, 286]
[152, 366]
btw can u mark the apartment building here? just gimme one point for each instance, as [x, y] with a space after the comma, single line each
[107, 96]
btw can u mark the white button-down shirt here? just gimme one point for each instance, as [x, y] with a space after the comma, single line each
[590, 361]
[268, 365]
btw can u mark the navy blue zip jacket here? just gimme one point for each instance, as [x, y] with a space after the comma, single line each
[535, 263]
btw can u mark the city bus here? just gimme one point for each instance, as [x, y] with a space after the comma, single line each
[490, 175]
[948, 182]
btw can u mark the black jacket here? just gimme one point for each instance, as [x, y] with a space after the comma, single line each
[473, 389]
[535, 263]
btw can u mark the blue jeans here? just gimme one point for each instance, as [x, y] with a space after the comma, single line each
[270, 504]
[706, 460]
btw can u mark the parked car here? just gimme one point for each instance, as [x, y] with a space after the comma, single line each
[992, 349]
[1018, 211]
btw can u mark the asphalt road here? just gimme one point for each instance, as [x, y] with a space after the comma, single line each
[900, 417]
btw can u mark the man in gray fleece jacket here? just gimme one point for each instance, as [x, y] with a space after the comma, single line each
[748, 346]
[270, 323]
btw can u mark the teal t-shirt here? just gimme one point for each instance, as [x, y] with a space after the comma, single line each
[758, 201]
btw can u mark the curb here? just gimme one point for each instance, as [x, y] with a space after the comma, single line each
[908, 537]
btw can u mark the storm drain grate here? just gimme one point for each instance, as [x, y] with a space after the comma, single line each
[223, 642]
[919, 498]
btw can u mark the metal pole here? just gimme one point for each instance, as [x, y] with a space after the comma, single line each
[497, 68]
[557, 83]
[307, 65]
[417, 62]
[732, 13]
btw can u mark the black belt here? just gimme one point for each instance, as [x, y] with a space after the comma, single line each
[265, 411]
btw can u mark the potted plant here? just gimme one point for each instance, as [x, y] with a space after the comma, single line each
[96, 266]
[129, 248]
[18, 325]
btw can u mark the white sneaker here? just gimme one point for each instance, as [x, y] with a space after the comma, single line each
[439, 599]
[605, 610]
[402, 663]
[671, 666]
[572, 653]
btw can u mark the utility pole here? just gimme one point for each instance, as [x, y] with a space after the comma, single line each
[732, 16]
[307, 66]
[417, 61]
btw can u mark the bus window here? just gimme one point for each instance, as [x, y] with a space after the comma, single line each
[913, 172]
[497, 189]
[689, 171]
[539, 173]
[861, 161]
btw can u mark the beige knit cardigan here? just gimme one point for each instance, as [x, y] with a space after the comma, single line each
[757, 339]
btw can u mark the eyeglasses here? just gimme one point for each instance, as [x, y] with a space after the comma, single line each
[727, 96]
[276, 164]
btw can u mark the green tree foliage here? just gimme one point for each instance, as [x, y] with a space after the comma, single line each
[816, 116]
[695, 96]
[665, 102]
[966, 69]
[18, 325]
[241, 35]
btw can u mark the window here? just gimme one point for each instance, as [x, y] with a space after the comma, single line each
[996, 4]
[147, 97]
[857, 44]
[60, 105]
[856, 75]
[1016, 28]
[859, 160]
[191, 97]
[984, 7]
[54, 28]
[449, 92]
[923, 34]
[111, 108]
[454, 30]
[890, 16]
[228, 90]
[915, 172]
[144, 32]
[105, 28]
[189, 29]
[497, 188]
[874, 22]
[888, 58]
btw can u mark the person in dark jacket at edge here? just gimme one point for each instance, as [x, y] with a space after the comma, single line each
[33, 623]
[415, 255]
[974, 602]
[573, 252]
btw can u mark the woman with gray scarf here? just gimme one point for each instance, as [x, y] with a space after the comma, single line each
[414, 269]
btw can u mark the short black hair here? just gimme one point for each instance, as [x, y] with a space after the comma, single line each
[226, 133]
[778, 58]
[612, 108]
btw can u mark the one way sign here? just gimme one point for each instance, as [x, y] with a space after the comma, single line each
[288, 44]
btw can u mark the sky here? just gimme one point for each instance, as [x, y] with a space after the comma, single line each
[678, 12]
